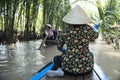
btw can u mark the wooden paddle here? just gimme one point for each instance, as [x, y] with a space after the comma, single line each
[43, 42]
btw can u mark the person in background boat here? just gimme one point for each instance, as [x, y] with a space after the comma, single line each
[48, 32]
[77, 58]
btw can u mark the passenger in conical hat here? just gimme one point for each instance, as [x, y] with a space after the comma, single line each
[77, 58]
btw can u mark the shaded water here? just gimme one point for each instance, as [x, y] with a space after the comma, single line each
[23, 60]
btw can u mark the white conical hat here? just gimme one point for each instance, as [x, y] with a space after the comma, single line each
[48, 25]
[76, 16]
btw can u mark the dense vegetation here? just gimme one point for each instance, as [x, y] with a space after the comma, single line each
[23, 19]
[110, 27]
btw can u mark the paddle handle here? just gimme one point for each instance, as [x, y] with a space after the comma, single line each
[43, 42]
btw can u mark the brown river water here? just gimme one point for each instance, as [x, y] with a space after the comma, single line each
[22, 60]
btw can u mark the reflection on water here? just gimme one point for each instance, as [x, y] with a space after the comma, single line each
[108, 59]
[19, 61]
[22, 60]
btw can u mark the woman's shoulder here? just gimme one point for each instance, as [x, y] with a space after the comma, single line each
[88, 26]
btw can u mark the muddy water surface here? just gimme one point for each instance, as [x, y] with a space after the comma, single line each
[107, 58]
[22, 60]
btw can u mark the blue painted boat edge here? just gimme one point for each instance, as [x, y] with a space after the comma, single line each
[42, 72]
[100, 73]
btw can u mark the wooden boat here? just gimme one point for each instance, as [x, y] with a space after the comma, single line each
[47, 42]
[95, 74]
[51, 42]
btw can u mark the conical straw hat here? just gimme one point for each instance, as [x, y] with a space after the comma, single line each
[76, 16]
[48, 25]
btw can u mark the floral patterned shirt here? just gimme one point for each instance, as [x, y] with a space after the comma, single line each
[78, 58]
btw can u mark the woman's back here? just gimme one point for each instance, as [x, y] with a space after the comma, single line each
[77, 58]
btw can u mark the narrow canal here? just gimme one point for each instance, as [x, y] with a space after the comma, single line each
[22, 60]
